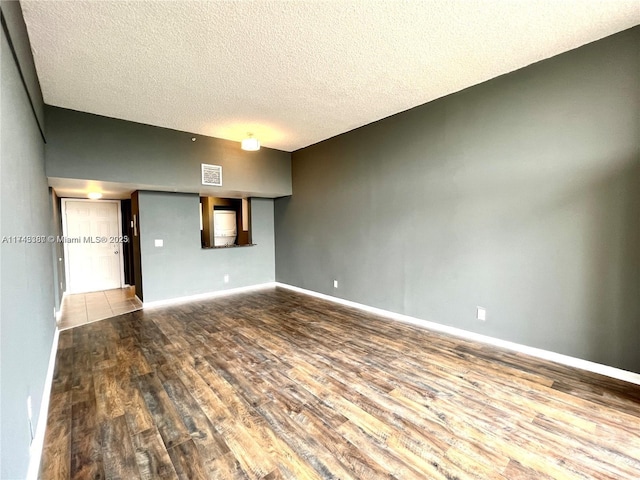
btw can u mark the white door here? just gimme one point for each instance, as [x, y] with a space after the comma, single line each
[93, 254]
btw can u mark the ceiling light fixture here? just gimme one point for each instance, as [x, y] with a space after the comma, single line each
[250, 144]
[94, 195]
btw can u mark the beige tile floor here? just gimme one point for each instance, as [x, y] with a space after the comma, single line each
[83, 308]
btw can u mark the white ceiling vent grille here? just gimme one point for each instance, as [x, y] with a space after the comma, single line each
[212, 175]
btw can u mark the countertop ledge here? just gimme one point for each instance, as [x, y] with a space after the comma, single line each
[230, 246]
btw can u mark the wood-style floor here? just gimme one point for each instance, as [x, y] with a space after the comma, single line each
[275, 384]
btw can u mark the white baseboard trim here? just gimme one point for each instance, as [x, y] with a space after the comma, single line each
[35, 450]
[467, 335]
[207, 295]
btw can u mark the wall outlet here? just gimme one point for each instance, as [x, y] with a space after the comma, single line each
[335, 284]
[226, 278]
[481, 314]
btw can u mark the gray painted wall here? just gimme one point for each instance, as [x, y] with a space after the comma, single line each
[85, 146]
[18, 31]
[521, 195]
[26, 273]
[181, 267]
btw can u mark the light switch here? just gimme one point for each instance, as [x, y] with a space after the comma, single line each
[159, 242]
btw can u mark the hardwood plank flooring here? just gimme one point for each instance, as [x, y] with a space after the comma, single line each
[274, 384]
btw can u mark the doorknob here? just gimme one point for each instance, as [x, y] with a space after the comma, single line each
[116, 252]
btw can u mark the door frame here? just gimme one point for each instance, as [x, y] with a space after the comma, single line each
[63, 206]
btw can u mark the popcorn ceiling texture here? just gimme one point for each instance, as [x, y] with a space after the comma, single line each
[293, 73]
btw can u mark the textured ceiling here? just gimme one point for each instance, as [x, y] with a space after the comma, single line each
[296, 72]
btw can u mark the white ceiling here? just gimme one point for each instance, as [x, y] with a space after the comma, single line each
[293, 72]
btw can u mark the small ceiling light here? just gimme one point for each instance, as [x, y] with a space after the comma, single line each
[94, 195]
[251, 144]
[193, 139]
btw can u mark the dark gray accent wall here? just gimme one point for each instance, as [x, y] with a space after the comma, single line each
[26, 273]
[85, 146]
[521, 195]
[181, 267]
